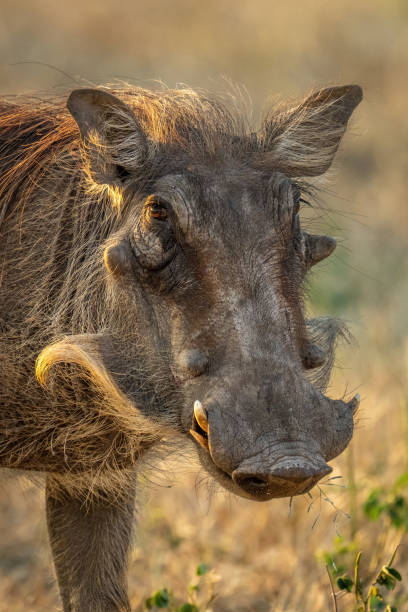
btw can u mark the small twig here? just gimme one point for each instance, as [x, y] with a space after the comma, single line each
[315, 521]
[332, 590]
[357, 582]
[290, 506]
[391, 561]
[310, 505]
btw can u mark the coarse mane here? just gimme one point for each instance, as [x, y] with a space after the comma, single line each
[48, 195]
[34, 132]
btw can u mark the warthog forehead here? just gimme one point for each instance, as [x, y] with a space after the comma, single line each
[238, 197]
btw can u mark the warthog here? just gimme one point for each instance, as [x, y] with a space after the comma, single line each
[151, 271]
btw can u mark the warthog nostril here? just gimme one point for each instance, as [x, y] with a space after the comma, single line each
[251, 483]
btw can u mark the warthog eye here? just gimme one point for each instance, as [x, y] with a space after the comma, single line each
[156, 208]
[153, 240]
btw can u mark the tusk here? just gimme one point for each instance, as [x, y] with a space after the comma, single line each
[202, 441]
[201, 416]
[355, 403]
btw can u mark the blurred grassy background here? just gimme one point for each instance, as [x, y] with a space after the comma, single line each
[266, 558]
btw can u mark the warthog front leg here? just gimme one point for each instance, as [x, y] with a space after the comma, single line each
[90, 544]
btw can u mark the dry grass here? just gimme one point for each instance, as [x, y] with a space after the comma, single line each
[265, 558]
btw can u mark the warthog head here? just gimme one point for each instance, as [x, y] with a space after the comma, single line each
[205, 267]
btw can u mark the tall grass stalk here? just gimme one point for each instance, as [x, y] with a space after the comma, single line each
[352, 490]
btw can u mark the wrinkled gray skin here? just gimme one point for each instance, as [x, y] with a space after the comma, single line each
[234, 328]
[222, 270]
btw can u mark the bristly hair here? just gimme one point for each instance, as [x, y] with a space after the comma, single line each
[35, 132]
[54, 222]
[326, 332]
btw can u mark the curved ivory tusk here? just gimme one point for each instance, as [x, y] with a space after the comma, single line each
[202, 441]
[201, 416]
[355, 403]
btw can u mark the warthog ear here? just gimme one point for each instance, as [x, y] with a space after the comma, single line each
[114, 142]
[303, 140]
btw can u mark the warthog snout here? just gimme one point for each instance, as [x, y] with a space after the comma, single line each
[287, 477]
[261, 452]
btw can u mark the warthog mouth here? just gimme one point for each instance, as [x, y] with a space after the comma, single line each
[260, 487]
[255, 488]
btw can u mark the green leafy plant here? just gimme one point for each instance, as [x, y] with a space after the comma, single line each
[160, 599]
[392, 505]
[200, 594]
[372, 593]
[372, 597]
[340, 558]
